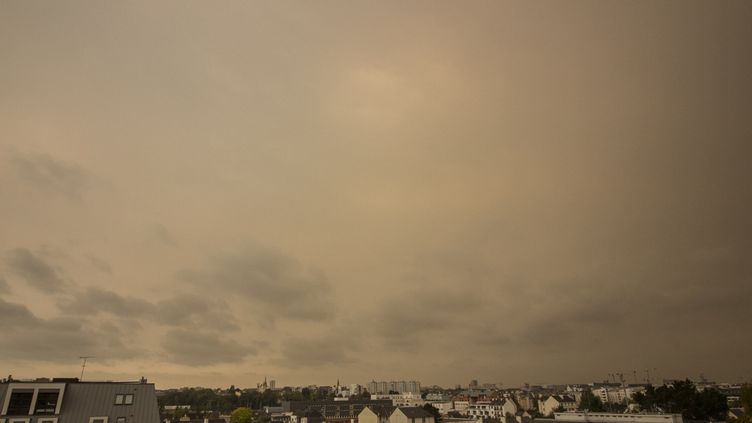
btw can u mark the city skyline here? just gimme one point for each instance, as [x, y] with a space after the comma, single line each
[542, 192]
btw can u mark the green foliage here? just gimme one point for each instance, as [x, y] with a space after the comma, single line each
[590, 402]
[746, 398]
[683, 398]
[204, 400]
[241, 415]
[365, 394]
[434, 411]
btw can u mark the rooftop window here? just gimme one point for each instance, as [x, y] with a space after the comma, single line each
[20, 403]
[124, 399]
[46, 402]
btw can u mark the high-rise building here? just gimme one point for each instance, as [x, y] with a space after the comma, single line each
[402, 387]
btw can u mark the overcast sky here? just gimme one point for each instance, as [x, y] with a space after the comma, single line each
[211, 193]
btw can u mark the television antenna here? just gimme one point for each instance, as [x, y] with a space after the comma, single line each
[83, 365]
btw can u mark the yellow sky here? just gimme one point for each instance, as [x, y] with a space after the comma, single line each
[207, 194]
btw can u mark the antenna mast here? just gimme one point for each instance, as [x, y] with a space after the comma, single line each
[83, 365]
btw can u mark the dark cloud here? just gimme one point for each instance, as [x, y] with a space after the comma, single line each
[197, 311]
[34, 270]
[28, 337]
[406, 319]
[50, 175]
[276, 284]
[182, 310]
[92, 301]
[193, 348]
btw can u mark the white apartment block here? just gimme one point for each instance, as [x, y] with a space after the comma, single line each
[401, 400]
[494, 410]
[402, 387]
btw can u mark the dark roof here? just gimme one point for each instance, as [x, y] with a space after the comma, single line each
[563, 398]
[382, 410]
[311, 412]
[415, 412]
[83, 400]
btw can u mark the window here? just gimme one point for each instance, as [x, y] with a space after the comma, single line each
[47, 420]
[121, 420]
[124, 399]
[46, 402]
[20, 403]
[19, 420]
[98, 419]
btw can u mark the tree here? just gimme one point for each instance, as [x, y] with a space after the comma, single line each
[434, 411]
[365, 394]
[241, 415]
[683, 397]
[590, 402]
[746, 398]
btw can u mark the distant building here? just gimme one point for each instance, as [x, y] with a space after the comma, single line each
[345, 411]
[493, 409]
[586, 417]
[556, 402]
[411, 415]
[401, 400]
[373, 414]
[402, 387]
[616, 395]
[444, 407]
[526, 401]
[72, 401]
[485, 410]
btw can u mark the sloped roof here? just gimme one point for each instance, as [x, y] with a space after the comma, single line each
[415, 412]
[382, 410]
[563, 398]
[82, 400]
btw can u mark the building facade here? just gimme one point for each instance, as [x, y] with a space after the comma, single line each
[71, 401]
[586, 417]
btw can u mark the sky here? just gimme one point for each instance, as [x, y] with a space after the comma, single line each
[208, 194]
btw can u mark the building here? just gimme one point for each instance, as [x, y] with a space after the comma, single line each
[485, 410]
[401, 387]
[345, 411]
[616, 395]
[526, 401]
[411, 415]
[557, 402]
[375, 414]
[72, 401]
[444, 407]
[401, 400]
[585, 417]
